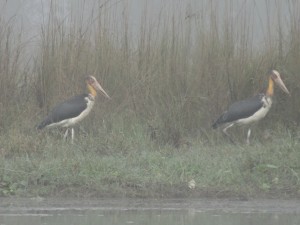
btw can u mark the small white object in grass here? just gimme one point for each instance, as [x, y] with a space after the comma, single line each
[192, 184]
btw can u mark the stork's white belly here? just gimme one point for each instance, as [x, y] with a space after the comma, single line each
[258, 115]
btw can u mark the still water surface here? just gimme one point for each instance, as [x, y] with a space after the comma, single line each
[147, 212]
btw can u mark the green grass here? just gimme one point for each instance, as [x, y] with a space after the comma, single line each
[133, 165]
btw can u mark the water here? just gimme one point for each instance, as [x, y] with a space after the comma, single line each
[148, 212]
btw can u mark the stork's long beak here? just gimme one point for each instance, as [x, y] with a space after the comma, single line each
[98, 87]
[280, 83]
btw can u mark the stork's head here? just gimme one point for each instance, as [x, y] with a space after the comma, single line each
[275, 76]
[94, 86]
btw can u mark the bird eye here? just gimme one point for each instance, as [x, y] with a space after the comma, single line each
[274, 76]
[90, 80]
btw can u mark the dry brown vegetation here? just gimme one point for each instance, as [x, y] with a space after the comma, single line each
[174, 75]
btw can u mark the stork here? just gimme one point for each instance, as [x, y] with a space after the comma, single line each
[251, 109]
[73, 110]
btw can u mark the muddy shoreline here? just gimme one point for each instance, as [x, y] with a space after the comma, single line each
[53, 205]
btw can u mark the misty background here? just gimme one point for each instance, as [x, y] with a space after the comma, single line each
[264, 16]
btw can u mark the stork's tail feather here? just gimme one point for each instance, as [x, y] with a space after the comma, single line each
[41, 126]
[215, 125]
[218, 122]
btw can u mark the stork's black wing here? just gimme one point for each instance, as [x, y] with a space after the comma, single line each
[240, 110]
[68, 109]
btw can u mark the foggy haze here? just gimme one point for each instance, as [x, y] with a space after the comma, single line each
[29, 15]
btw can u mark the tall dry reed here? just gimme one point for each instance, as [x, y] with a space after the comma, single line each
[174, 74]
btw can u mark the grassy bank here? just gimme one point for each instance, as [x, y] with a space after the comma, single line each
[134, 166]
[169, 78]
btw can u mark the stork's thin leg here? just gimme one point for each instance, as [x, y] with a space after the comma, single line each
[248, 137]
[72, 135]
[66, 134]
[227, 135]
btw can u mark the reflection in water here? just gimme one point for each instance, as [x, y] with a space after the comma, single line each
[149, 217]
